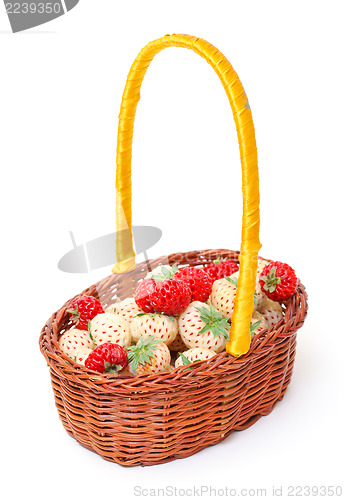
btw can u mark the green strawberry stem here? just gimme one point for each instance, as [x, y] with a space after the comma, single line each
[271, 280]
[214, 321]
[142, 352]
[75, 312]
[218, 261]
[167, 273]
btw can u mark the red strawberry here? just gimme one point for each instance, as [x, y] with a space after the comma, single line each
[83, 309]
[278, 281]
[198, 280]
[107, 357]
[171, 296]
[143, 295]
[221, 268]
[163, 293]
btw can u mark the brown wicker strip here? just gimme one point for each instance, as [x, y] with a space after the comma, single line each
[153, 419]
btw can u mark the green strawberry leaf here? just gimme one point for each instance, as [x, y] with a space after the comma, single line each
[174, 269]
[219, 330]
[191, 366]
[89, 331]
[134, 364]
[143, 351]
[166, 272]
[214, 321]
[253, 326]
[113, 371]
[205, 329]
[185, 360]
[109, 368]
[204, 314]
[233, 281]
[131, 354]
[216, 330]
[158, 278]
[213, 311]
[75, 312]
[146, 357]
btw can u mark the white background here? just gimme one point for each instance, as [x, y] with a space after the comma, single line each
[60, 93]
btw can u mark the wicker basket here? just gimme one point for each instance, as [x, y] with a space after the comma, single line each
[152, 419]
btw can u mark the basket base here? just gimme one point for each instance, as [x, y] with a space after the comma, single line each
[245, 425]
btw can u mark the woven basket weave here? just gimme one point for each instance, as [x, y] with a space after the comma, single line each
[152, 419]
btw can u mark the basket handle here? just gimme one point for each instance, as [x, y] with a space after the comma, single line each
[240, 338]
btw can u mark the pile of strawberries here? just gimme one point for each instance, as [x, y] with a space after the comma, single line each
[176, 317]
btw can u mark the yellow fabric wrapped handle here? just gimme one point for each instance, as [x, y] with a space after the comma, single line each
[240, 338]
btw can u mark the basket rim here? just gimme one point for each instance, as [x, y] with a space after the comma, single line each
[295, 314]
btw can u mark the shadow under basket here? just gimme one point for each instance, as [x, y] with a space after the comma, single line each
[153, 419]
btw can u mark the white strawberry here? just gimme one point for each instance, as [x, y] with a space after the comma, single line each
[82, 355]
[261, 264]
[258, 323]
[260, 297]
[177, 345]
[201, 325]
[164, 271]
[195, 354]
[108, 327]
[149, 355]
[162, 327]
[223, 295]
[126, 308]
[272, 312]
[72, 340]
[111, 308]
